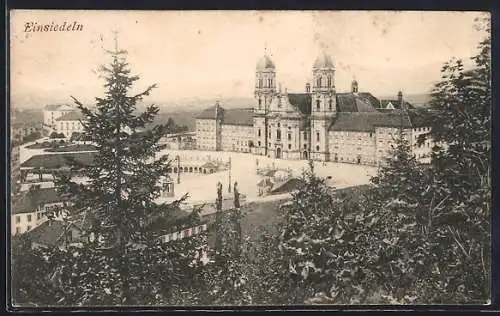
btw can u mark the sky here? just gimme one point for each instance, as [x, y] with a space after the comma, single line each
[213, 54]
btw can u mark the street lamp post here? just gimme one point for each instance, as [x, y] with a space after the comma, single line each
[229, 187]
[178, 158]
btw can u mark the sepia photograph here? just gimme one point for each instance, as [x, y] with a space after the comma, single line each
[249, 158]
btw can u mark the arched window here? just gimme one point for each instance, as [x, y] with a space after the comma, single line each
[318, 105]
[330, 104]
[319, 82]
[329, 81]
[260, 103]
[259, 132]
[278, 134]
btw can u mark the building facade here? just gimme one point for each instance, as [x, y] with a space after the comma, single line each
[319, 124]
[69, 123]
[52, 112]
[31, 209]
[15, 173]
[20, 130]
[220, 129]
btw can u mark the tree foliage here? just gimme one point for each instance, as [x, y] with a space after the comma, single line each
[125, 264]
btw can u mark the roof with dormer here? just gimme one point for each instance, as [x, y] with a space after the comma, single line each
[29, 201]
[367, 121]
[51, 232]
[395, 103]
[237, 116]
[346, 102]
[302, 101]
[208, 113]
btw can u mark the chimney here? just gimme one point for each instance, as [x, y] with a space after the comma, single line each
[308, 87]
[217, 108]
[400, 100]
[354, 86]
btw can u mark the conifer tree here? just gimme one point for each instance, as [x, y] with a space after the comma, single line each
[126, 264]
[462, 165]
[445, 206]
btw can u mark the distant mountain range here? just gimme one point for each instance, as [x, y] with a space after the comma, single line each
[184, 112]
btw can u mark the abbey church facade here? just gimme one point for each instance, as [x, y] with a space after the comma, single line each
[320, 123]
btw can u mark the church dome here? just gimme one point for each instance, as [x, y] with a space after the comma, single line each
[265, 63]
[323, 61]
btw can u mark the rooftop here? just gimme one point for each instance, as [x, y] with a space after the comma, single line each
[395, 103]
[238, 116]
[71, 116]
[367, 121]
[53, 107]
[30, 200]
[346, 102]
[50, 232]
[57, 161]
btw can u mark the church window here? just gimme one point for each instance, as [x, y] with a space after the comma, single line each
[289, 146]
[317, 148]
[289, 136]
[317, 136]
[269, 133]
[318, 104]
[278, 134]
[319, 82]
[329, 81]
[258, 143]
[279, 125]
[330, 104]
[305, 146]
[259, 132]
[260, 103]
[305, 136]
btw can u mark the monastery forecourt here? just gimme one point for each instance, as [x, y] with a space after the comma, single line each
[319, 124]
